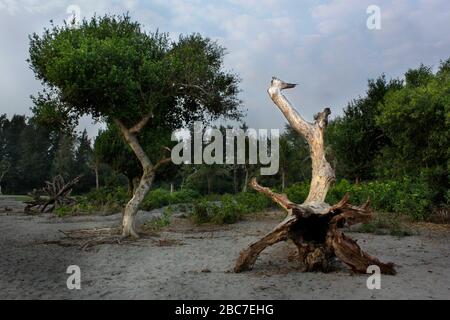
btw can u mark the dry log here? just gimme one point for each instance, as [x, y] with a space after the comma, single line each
[313, 226]
[55, 194]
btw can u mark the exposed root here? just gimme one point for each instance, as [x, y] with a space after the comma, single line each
[317, 236]
[86, 239]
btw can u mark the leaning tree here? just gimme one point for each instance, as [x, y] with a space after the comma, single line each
[313, 226]
[110, 68]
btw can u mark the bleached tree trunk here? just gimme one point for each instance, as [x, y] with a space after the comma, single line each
[314, 225]
[146, 180]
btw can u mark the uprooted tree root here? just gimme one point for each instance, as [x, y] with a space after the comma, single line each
[316, 235]
[314, 225]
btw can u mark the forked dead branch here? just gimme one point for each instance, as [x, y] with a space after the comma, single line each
[313, 226]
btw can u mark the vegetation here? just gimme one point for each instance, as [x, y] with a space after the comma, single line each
[142, 83]
[385, 223]
[391, 144]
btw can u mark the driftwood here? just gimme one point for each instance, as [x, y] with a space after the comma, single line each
[55, 194]
[314, 226]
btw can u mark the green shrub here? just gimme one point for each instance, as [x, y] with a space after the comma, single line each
[63, 211]
[161, 222]
[385, 223]
[228, 210]
[297, 192]
[159, 198]
[106, 196]
[254, 202]
[408, 196]
[202, 212]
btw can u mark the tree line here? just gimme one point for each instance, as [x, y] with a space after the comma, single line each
[398, 128]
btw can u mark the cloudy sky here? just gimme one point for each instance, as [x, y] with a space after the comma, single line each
[325, 46]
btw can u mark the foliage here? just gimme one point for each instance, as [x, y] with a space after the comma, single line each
[229, 209]
[297, 192]
[253, 201]
[407, 196]
[36, 153]
[117, 196]
[416, 119]
[110, 68]
[161, 222]
[385, 223]
[356, 138]
[159, 198]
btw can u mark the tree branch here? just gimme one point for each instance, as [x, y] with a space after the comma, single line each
[203, 90]
[281, 199]
[302, 126]
[133, 142]
[162, 161]
[321, 118]
[141, 124]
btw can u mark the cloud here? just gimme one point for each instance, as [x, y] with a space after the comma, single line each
[325, 46]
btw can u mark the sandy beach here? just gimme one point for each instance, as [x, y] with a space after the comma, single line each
[190, 262]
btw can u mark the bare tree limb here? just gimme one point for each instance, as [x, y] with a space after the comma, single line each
[281, 199]
[295, 120]
[141, 124]
[133, 142]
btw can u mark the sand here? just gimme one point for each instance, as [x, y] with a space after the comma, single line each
[189, 262]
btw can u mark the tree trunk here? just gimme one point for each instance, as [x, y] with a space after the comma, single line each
[132, 207]
[235, 182]
[97, 183]
[135, 184]
[283, 179]
[244, 189]
[145, 183]
[314, 225]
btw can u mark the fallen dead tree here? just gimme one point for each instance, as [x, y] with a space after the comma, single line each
[55, 194]
[313, 226]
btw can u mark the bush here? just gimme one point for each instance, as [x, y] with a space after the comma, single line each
[105, 196]
[297, 192]
[254, 202]
[229, 209]
[408, 196]
[203, 210]
[159, 198]
[161, 222]
[385, 223]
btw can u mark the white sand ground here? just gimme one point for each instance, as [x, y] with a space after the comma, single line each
[30, 269]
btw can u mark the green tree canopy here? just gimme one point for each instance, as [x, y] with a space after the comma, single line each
[355, 138]
[110, 68]
[416, 119]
